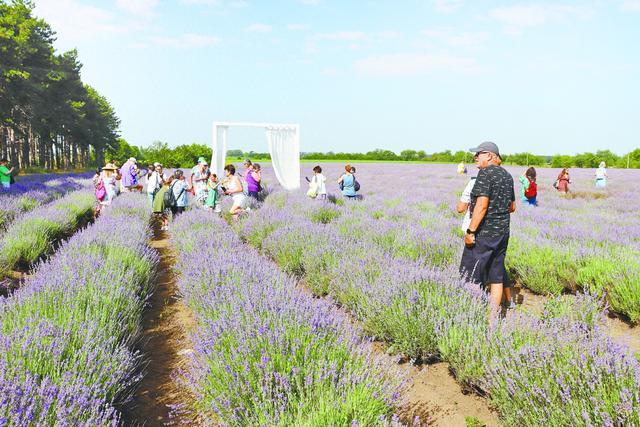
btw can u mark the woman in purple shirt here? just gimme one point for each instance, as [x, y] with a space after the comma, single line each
[253, 178]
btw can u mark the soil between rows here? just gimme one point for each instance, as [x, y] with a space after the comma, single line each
[621, 331]
[165, 345]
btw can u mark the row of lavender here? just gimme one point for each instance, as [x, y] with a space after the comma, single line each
[267, 353]
[395, 271]
[65, 336]
[36, 190]
[586, 240]
[36, 233]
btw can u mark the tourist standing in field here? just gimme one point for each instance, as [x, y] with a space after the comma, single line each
[233, 187]
[317, 185]
[529, 187]
[212, 193]
[492, 200]
[601, 175]
[462, 169]
[117, 174]
[198, 180]
[108, 179]
[463, 206]
[159, 209]
[154, 182]
[129, 173]
[5, 174]
[179, 188]
[347, 183]
[252, 177]
[563, 181]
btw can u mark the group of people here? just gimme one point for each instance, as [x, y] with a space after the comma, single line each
[348, 184]
[169, 194]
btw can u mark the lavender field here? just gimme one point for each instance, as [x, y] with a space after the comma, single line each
[307, 312]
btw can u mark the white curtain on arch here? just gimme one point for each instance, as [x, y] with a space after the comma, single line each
[219, 156]
[284, 147]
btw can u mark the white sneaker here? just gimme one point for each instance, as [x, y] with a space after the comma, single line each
[248, 208]
[217, 210]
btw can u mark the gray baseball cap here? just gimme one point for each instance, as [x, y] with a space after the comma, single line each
[486, 146]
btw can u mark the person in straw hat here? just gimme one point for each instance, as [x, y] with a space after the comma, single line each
[109, 182]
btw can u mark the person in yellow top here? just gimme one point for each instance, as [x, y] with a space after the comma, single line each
[462, 169]
[5, 174]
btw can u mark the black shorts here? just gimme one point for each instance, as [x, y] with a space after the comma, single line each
[484, 262]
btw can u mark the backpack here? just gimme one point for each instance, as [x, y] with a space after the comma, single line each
[556, 184]
[356, 184]
[532, 190]
[170, 198]
[101, 192]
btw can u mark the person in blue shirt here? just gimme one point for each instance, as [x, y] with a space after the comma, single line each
[180, 190]
[348, 183]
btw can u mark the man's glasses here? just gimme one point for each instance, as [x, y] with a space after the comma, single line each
[478, 153]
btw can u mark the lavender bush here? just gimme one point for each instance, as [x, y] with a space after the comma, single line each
[35, 190]
[65, 336]
[265, 352]
[35, 234]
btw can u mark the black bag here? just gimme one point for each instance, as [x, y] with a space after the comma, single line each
[170, 198]
[12, 180]
[356, 184]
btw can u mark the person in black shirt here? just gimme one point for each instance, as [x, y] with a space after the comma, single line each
[487, 238]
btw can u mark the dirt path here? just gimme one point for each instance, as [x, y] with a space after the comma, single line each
[437, 398]
[166, 325]
[619, 330]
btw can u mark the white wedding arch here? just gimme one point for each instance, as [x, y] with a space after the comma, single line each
[284, 147]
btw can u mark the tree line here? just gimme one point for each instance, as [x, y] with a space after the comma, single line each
[186, 155]
[49, 118]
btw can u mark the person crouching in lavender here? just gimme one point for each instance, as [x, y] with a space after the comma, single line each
[492, 200]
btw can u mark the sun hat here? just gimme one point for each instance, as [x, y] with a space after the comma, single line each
[202, 160]
[109, 166]
[486, 146]
[156, 164]
[133, 159]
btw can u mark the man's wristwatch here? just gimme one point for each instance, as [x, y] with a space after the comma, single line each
[473, 233]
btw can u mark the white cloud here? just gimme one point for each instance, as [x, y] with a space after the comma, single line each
[458, 39]
[75, 22]
[342, 36]
[186, 41]
[258, 28]
[142, 8]
[297, 27]
[447, 6]
[630, 5]
[408, 64]
[516, 18]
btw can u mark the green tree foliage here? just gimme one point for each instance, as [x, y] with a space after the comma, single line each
[48, 117]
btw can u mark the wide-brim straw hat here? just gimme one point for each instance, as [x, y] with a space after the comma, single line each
[109, 166]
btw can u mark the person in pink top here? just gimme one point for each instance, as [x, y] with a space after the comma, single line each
[563, 181]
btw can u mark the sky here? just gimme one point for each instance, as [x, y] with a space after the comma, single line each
[545, 77]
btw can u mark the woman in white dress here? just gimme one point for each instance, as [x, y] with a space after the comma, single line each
[233, 187]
